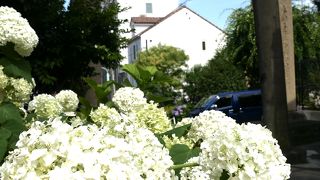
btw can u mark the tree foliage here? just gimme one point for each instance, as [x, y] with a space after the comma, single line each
[151, 81]
[69, 39]
[168, 59]
[217, 76]
[241, 44]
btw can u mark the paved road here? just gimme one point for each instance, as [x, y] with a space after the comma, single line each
[310, 168]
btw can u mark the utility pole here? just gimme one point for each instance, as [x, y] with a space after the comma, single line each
[274, 30]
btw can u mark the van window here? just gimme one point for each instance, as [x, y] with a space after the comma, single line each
[250, 101]
[223, 102]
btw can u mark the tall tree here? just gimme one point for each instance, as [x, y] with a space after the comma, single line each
[241, 44]
[167, 59]
[171, 61]
[217, 76]
[69, 39]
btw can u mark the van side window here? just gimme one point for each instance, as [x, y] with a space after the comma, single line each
[250, 101]
[223, 102]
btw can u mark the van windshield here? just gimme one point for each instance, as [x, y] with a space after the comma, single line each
[204, 102]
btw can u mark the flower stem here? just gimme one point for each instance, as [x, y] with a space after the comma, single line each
[179, 166]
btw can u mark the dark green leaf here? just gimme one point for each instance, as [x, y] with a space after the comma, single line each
[17, 67]
[180, 153]
[3, 148]
[8, 111]
[93, 84]
[4, 133]
[133, 71]
[224, 175]
[158, 99]
[178, 132]
[85, 106]
[16, 126]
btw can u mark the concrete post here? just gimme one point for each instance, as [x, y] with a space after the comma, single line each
[286, 25]
[274, 51]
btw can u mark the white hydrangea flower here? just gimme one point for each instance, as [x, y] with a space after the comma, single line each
[153, 118]
[170, 141]
[68, 100]
[16, 29]
[49, 150]
[314, 97]
[3, 79]
[246, 151]
[194, 173]
[106, 116]
[204, 125]
[45, 106]
[116, 124]
[20, 90]
[129, 99]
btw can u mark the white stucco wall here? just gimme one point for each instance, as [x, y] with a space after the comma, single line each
[185, 30]
[160, 8]
[139, 28]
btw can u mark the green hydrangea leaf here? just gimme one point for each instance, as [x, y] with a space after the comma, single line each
[17, 67]
[178, 132]
[4, 133]
[15, 126]
[8, 111]
[180, 153]
[3, 149]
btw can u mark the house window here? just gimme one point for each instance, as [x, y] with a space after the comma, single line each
[203, 45]
[148, 7]
[134, 52]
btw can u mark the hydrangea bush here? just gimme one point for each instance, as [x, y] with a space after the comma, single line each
[15, 29]
[56, 150]
[16, 90]
[132, 140]
[246, 151]
[314, 98]
[17, 39]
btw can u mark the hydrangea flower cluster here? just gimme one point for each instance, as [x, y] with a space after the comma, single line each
[15, 90]
[131, 101]
[170, 141]
[3, 79]
[15, 29]
[46, 106]
[206, 124]
[196, 172]
[314, 97]
[117, 124]
[68, 100]
[246, 151]
[150, 116]
[56, 150]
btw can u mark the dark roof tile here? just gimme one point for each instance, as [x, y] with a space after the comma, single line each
[146, 20]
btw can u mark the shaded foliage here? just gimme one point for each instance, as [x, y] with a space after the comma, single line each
[241, 44]
[88, 31]
[167, 59]
[151, 81]
[217, 76]
[172, 62]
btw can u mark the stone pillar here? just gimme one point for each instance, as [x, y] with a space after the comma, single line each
[286, 25]
[274, 51]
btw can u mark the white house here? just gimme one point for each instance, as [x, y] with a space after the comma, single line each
[181, 28]
[143, 8]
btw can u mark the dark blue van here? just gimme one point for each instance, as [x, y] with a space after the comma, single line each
[243, 106]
